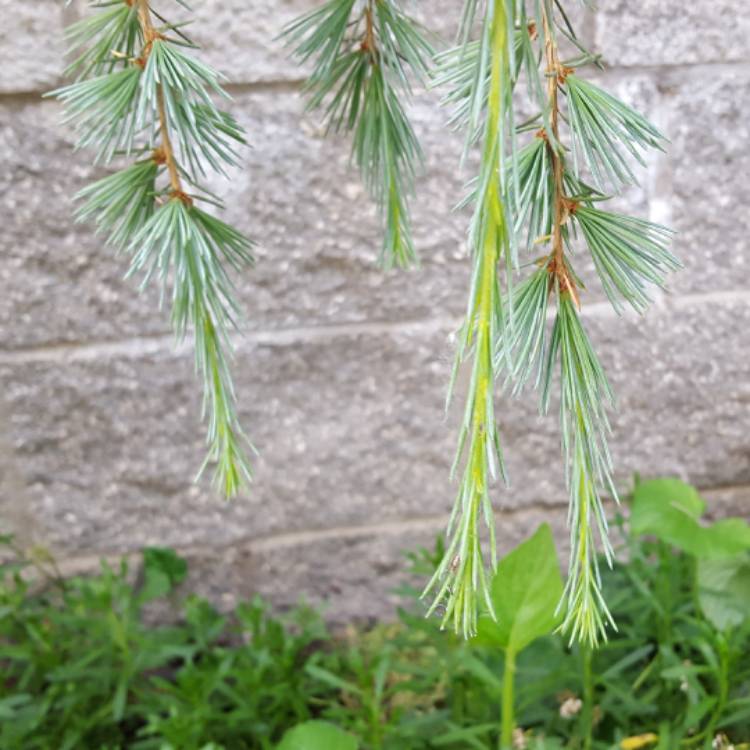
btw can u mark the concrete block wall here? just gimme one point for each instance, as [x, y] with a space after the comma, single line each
[342, 369]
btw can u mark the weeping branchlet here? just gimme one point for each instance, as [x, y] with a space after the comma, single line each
[140, 93]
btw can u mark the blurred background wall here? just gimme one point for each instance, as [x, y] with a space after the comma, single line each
[342, 370]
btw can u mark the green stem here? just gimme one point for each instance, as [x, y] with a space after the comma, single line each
[664, 593]
[508, 719]
[694, 588]
[723, 685]
[459, 701]
[587, 714]
[462, 568]
[376, 715]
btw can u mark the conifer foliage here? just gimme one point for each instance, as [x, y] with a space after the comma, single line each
[541, 190]
[141, 94]
[365, 55]
[586, 134]
[539, 204]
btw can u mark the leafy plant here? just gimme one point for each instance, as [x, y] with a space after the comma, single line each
[317, 735]
[529, 195]
[82, 668]
[671, 510]
[526, 589]
[141, 93]
[460, 581]
[724, 590]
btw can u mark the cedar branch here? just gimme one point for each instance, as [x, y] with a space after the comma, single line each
[166, 150]
[556, 73]
[369, 45]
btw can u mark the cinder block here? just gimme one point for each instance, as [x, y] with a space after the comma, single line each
[32, 48]
[709, 121]
[672, 32]
[60, 283]
[350, 430]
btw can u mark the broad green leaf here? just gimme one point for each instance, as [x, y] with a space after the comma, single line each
[163, 570]
[547, 743]
[698, 711]
[333, 680]
[650, 497]
[467, 736]
[670, 510]
[317, 735]
[738, 713]
[730, 536]
[483, 674]
[526, 590]
[9, 706]
[724, 590]
[682, 671]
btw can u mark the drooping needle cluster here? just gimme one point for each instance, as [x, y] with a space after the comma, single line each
[460, 583]
[141, 94]
[541, 196]
[365, 55]
[558, 204]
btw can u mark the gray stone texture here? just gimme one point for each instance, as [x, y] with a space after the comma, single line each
[31, 40]
[317, 404]
[60, 284]
[293, 195]
[354, 577]
[342, 369]
[672, 32]
[317, 267]
[709, 122]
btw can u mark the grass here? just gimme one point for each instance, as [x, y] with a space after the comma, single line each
[81, 669]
